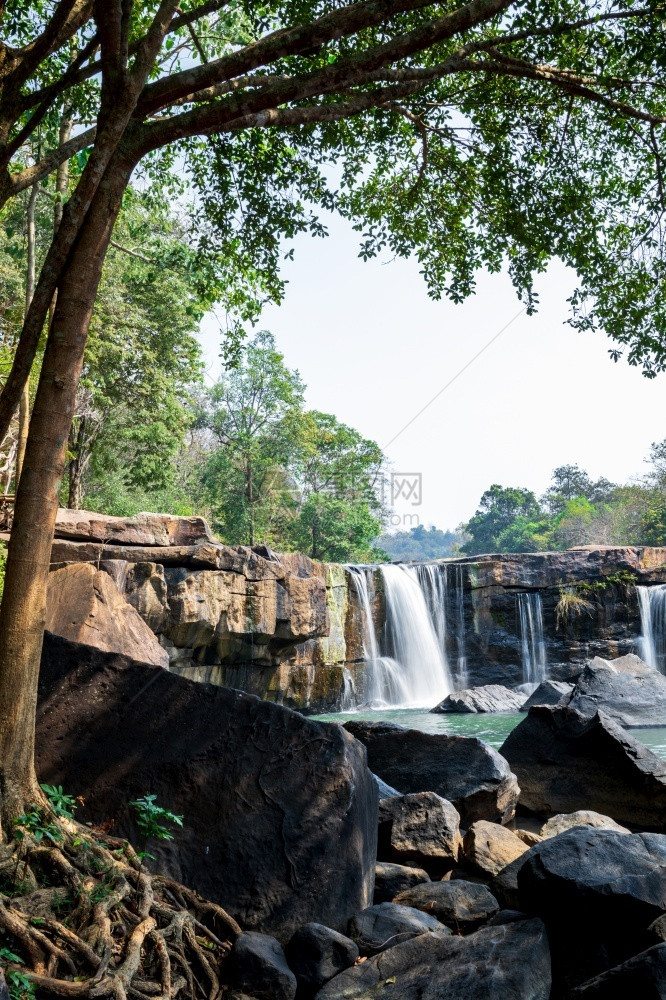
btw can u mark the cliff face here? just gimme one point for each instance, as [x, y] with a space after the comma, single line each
[292, 630]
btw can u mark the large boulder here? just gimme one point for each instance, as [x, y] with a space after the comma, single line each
[85, 607]
[459, 904]
[280, 812]
[489, 847]
[642, 976]
[316, 954]
[548, 693]
[422, 829]
[143, 529]
[390, 879]
[598, 891]
[627, 690]
[583, 817]
[257, 965]
[487, 698]
[385, 925]
[464, 770]
[510, 961]
[565, 761]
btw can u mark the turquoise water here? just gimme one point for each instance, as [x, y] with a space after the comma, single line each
[491, 727]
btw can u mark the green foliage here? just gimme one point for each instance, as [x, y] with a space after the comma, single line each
[19, 985]
[571, 605]
[62, 804]
[37, 825]
[499, 510]
[152, 819]
[420, 544]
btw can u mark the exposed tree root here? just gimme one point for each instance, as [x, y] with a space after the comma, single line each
[88, 920]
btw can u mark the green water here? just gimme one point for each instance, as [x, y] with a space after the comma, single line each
[491, 727]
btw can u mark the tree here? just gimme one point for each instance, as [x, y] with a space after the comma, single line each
[339, 478]
[537, 128]
[498, 510]
[249, 414]
[420, 544]
[569, 482]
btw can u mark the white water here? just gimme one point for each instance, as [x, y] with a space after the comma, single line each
[410, 638]
[533, 647]
[461, 676]
[652, 643]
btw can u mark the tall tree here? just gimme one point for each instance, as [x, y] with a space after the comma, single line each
[490, 131]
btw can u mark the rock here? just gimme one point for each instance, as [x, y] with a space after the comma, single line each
[488, 698]
[548, 693]
[257, 965]
[506, 917]
[627, 690]
[504, 886]
[657, 929]
[566, 761]
[391, 879]
[467, 772]
[4, 992]
[144, 529]
[490, 847]
[280, 811]
[387, 924]
[421, 829]
[510, 962]
[583, 817]
[143, 585]
[643, 976]
[459, 904]
[597, 891]
[528, 837]
[85, 607]
[316, 954]
[385, 791]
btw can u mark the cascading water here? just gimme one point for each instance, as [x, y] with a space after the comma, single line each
[410, 638]
[456, 601]
[652, 643]
[533, 647]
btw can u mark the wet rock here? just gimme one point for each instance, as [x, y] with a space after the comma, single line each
[280, 811]
[143, 529]
[583, 817]
[566, 761]
[467, 772]
[390, 879]
[511, 961]
[85, 608]
[459, 904]
[257, 966]
[642, 976]
[387, 924]
[598, 891]
[316, 953]
[627, 690]
[421, 829]
[487, 698]
[490, 847]
[548, 693]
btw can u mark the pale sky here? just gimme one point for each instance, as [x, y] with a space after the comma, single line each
[372, 349]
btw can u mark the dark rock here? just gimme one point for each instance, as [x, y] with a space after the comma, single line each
[420, 829]
[487, 698]
[598, 891]
[4, 992]
[257, 965]
[643, 976]
[316, 954]
[280, 812]
[548, 693]
[504, 886]
[627, 690]
[507, 917]
[391, 879]
[467, 772]
[385, 791]
[489, 847]
[511, 962]
[459, 904]
[387, 924]
[566, 761]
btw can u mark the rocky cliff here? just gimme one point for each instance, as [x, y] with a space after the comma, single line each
[161, 590]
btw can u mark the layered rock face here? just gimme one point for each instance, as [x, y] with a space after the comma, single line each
[292, 630]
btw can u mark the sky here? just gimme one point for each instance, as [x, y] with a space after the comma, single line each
[373, 349]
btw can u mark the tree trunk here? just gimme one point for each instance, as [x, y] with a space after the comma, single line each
[76, 445]
[24, 405]
[23, 609]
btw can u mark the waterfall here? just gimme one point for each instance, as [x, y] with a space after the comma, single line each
[456, 601]
[533, 647]
[410, 638]
[652, 643]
